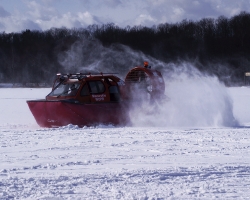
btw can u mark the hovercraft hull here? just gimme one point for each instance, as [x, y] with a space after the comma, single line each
[61, 113]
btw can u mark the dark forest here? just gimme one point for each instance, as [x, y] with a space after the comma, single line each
[219, 47]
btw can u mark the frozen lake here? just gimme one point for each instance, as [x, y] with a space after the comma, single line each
[193, 157]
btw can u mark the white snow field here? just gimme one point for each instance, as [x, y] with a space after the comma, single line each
[178, 158]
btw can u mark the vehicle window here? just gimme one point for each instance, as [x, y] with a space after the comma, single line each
[101, 87]
[113, 89]
[73, 88]
[96, 87]
[65, 89]
[93, 87]
[58, 90]
[85, 90]
[114, 93]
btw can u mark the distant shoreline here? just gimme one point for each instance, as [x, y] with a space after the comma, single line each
[24, 85]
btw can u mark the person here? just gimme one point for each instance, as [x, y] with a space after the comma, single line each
[72, 90]
[146, 65]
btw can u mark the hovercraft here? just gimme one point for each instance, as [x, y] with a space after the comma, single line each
[86, 99]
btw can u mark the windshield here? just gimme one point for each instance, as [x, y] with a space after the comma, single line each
[65, 89]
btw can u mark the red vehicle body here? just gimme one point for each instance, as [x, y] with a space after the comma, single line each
[91, 99]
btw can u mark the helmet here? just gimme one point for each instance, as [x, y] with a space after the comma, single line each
[145, 63]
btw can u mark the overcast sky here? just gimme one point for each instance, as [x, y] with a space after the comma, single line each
[18, 15]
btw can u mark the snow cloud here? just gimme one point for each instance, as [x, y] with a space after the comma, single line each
[17, 15]
[192, 99]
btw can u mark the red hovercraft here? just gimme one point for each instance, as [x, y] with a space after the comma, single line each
[92, 99]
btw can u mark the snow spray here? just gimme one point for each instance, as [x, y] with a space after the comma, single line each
[192, 98]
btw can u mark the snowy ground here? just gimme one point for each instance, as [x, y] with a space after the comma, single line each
[121, 162]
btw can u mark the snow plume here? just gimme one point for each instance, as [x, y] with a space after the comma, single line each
[92, 56]
[193, 99]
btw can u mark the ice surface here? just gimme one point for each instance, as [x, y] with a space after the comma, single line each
[108, 162]
[13, 107]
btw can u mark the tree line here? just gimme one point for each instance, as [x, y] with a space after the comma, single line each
[219, 47]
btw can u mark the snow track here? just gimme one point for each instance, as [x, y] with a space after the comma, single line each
[124, 163]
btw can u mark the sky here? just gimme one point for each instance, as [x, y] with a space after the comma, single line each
[19, 15]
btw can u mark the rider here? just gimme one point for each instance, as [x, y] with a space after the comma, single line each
[72, 90]
[146, 65]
